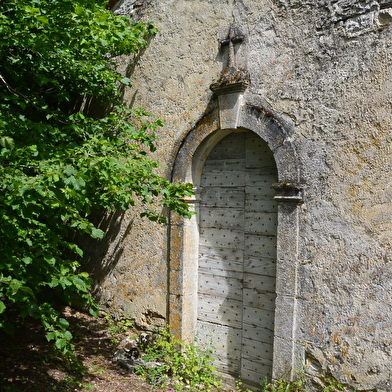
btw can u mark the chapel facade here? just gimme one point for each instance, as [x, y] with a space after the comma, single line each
[279, 113]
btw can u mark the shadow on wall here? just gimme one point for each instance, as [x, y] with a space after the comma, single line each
[95, 108]
[102, 256]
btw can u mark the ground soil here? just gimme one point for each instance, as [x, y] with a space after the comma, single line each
[28, 362]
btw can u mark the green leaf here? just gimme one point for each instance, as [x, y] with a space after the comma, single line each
[97, 233]
[27, 290]
[126, 81]
[50, 336]
[61, 344]
[32, 310]
[63, 323]
[67, 335]
[43, 19]
[27, 260]
[79, 10]
[94, 311]
[8, 327]
[7, 142]
[76, 249]
[2, 307]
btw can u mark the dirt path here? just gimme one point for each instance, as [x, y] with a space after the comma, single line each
[28, 363]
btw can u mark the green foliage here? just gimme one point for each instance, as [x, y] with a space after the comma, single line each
[332, 385]
[303, 383]
[184, 364]
[58, 161]
[284, 386]
[298, 385]
[239, 385]
[117, 327]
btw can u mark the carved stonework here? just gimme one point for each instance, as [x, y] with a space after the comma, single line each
[289, 191]
[232, 82]
[233, 77]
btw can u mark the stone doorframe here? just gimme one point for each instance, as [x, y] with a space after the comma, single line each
[247, 113]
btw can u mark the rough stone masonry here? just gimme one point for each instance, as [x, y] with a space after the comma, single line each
[320, 70]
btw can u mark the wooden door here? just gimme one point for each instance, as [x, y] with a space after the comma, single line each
[237, 257]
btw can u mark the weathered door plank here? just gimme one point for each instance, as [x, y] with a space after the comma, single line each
[219, 310]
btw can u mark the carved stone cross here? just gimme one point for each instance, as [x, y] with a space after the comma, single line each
[233, 77]
[235, 35]
[232, 82]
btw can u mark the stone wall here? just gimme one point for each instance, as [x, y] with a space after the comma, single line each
[324, 69]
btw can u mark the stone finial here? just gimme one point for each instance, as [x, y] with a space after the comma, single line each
[233, 78]
[232, 82]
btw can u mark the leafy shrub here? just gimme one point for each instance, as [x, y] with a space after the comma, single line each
[185, 364]
[64, 152]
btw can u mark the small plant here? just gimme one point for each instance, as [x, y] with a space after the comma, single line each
[118, 327]
[127, 324]
[184, 364]
[96, 349]
[240, 386]
[332, 385]
[284, 386]
[264, 384]
[98, 371]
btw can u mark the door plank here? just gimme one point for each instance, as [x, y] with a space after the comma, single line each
[217, 238]
[262, 223]
[259, 283]
[222, 287]
[264, 246]
[253, 350]
[219, 310]
[260, 265]
[222, 197]
[224, 341]
[222, 217]
[258, 318]
[254, 299]
[211, 259]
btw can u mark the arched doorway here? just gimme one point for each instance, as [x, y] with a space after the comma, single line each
[184, 235]
[237, 256]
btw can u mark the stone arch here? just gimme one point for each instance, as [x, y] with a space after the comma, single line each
[184, 236]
